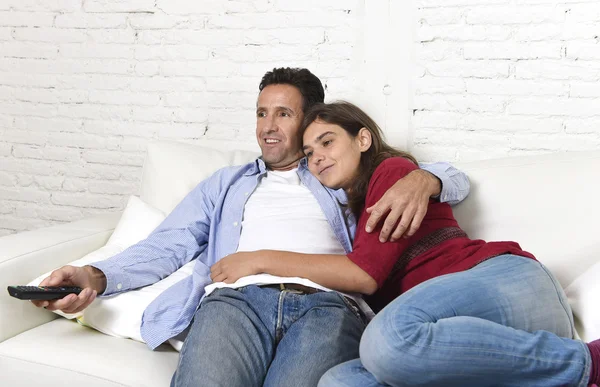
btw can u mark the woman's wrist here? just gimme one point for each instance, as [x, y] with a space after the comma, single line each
[263, 261]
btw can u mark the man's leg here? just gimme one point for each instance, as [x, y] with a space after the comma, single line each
[231, 340]
[318, 331]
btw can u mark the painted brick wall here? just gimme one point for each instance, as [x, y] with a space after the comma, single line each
[497, 78]
[85, 84]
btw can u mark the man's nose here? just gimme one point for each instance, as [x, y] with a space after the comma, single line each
[270, 125]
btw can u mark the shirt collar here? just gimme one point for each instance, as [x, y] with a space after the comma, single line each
[303, 164]
[256, 167]
[339, 194]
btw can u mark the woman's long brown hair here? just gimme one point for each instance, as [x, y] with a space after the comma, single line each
[352, 119]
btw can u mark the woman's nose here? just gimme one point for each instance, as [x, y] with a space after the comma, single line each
[317, 157]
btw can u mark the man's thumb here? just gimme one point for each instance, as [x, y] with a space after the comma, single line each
[55, 280]
[58, 277]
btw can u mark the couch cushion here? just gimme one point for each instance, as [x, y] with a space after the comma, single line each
[22, 373]
[72, 352]
[546, 203]
[172, 169]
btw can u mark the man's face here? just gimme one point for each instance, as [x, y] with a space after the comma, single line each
[278, 119]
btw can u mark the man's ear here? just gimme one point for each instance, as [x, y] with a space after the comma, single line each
[365, 139]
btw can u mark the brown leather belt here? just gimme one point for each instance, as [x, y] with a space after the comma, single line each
[301, 289]
[297, 288]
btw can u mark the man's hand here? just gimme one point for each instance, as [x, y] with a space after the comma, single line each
[406, 200]
[235, 266]
[90, 279]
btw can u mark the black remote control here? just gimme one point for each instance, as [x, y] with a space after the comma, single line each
[42, 292]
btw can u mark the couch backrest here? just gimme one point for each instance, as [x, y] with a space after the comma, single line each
[173, 169]
[547, 203]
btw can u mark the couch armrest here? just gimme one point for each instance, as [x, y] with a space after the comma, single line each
[26, 255]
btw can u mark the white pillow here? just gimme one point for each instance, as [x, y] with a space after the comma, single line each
[172, 169]
[137, 222]
[121, 315]
[583, 295]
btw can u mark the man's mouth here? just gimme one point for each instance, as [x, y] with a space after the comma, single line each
[271, 141]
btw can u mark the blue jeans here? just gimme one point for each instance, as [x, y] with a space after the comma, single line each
[505, 322]
[256, 336]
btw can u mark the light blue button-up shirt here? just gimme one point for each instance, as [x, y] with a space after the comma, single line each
[206, 226]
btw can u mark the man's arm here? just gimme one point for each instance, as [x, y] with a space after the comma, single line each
[454, 183]
[181, 237]
[405, 204]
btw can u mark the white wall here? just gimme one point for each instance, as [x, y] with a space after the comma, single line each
[85, 84]
[498, 78]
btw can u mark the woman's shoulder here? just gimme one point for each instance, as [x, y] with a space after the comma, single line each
[395, 165]
[388, 172]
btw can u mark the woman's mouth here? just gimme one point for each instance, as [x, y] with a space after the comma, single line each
[324, 170]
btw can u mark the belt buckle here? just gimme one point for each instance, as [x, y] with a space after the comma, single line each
[282, 287]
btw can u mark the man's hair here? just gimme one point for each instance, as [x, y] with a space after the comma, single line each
[306, 82]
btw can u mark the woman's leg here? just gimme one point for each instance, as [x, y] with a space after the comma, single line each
[349, 374]
[498, 324]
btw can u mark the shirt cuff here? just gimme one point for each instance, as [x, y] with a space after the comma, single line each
[440, 171]
[116, 282]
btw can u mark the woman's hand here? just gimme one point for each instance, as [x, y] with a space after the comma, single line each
[235, 266]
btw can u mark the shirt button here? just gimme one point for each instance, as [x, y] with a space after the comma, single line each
[445, 198]
[119, 286]
[235, 224]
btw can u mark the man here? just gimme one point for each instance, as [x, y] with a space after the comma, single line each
[262, 330]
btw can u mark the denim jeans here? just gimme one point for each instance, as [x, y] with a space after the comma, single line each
[256, 336]
[505, 322]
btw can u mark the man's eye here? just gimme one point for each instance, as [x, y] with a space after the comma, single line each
[261, 114]
[284, 114]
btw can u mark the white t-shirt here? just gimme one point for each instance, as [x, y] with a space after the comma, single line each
[282, 214]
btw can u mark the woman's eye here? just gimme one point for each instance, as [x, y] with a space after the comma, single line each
[325, 143]
[308, 155]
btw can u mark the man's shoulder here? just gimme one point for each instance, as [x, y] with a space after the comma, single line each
[228, 175]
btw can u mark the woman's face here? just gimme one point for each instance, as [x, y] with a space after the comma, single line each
[333, 154]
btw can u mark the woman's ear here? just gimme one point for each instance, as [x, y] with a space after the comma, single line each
[364, 139]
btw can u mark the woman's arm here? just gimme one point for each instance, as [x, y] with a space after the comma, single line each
[336, 272]
[363, 270]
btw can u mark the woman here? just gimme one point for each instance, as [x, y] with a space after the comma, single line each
[455, 311]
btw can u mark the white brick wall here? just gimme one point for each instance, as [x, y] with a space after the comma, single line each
[506, 77]
[85, 84]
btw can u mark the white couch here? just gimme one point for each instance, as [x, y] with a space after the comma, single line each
[543, 202]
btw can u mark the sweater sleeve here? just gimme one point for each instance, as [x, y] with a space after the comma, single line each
[374, 257]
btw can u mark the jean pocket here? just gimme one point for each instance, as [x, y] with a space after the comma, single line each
[354, 308]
